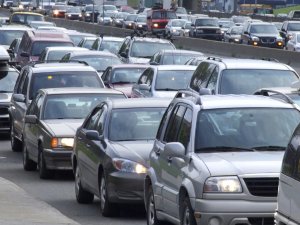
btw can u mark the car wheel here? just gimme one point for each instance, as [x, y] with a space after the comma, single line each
[108, 209]
[16, 144]
[187, 213]
[82, 196]
[150, 208]
[28, 164]
[44, 173]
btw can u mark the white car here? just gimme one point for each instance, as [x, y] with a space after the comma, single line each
[294, 43]
[174, 27]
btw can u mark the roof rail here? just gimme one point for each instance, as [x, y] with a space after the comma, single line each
[214, 58]
[270, 59]
[189, 93]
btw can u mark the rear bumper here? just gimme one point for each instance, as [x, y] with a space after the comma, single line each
[58, 159]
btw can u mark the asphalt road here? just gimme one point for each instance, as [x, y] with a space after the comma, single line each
[59, 192]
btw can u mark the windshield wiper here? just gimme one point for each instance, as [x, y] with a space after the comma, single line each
[224, 149]
[269, 148]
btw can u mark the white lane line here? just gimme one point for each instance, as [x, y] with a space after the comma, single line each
[1, 157]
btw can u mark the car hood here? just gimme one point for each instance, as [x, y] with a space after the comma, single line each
[63, 127]
[137, 151]
[5, 97]
[229, 163]
[139, 60]
[265, 35]
[125, 88]
[164, 94]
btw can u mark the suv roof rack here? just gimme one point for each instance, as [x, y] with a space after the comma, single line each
[270, 59]
[214, 58]
[189, 93]
[58, 61]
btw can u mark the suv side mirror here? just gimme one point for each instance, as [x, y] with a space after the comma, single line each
[24, 54]
[123, 54]
[18, 97]
[174, 149]
[31, 119]
[246, 32]
[93, 135]
[154, 63]
[144, 87]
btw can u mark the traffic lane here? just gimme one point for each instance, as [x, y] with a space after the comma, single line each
[59, 192]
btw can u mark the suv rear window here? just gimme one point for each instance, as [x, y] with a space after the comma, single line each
[164, 15]
[64, 79]
[39, 46]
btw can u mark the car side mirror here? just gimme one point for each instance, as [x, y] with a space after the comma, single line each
[154, 63]
[246, 32]
[24, 54]
[9, 51]
[205, 91]
[93, 135]
[174, 149]
[123, 54]
[18, 97]
[31, 119]
[144, 87]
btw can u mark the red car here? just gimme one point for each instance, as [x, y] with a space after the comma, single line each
[158, 19]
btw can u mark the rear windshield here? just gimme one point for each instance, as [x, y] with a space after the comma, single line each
[110, 46]
[172, 80]
[177, 59]
[25, 19]
[126, 75]
[247, 81]
[207, 22]
[293, 27]
[64, 79]
[7, 36]
[100, 63]
[39, 46]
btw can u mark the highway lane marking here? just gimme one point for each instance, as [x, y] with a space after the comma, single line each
[2, 157]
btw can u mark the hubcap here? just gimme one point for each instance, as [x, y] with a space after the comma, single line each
[186, 217]
[77, 180]
[103, 192]
[151, 212]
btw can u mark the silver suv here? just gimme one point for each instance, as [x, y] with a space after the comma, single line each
[216, 160]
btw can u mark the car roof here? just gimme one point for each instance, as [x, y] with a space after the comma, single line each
[15, 27]
[27, 13]
[293, 21]
[139, 103]
[63, 48]
[175, 67]
[130, 66]
[110, 38]
[57, 67]
[179, 51]
[241, 101]
[261, 23]
[80, 90]
[251, 64]
[92, 53]
[75, 32]
[49, 35]
[147, 39]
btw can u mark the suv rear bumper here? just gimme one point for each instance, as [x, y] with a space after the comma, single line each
[213, 212]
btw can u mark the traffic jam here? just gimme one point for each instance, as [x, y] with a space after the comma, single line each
[190, 137]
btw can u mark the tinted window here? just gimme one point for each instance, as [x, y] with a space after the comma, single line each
[174, 124]
[111, 46]
[92, 121]
[63, 79]
[56, 55]
[177, 59]
[245, 128]
[139, 123]
[148, 49]
[265, 29]
[201, 75]
[130, 75]
[207, 22]
[289, 160]
[74, 106]
[185, 128]
[172, 79]
[7, 36]
[39, 46]
[88, 44]
[164, 15]
[247, 81]
[293, 27]
[7, 81]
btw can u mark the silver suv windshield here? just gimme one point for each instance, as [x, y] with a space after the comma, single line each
[247, 81]
[240, 129]
[173, 80]
[144, 49]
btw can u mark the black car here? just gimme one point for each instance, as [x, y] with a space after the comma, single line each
[262, 34]
[87, 13]
[111, 151]
[207, 28]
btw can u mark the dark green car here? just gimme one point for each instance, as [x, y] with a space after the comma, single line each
[51, 122]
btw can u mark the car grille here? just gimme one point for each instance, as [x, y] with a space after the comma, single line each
[268, 40]
[264, 187]
[209, 31]
[3, 110]
[261, 221]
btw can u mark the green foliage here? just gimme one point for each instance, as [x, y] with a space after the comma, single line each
[286, 10]
[133, 3]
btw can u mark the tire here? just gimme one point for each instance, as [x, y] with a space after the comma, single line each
[82, 196]
[44, 173]
[28, 164]
[16, 144]
[150, 208]
[108, 209]
[187, 213]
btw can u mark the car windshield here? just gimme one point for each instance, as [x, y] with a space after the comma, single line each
[110, 7]
[177, 59]
[181, 10]
[89, 8]
[59, 7]
[245, 128]
[263, 29]
[100, 63]
[164, 15]
[76, 38]
[7, 81]
[64, 79]
[39, 46]
[121, 15]
[207, 22]
[25, 19]
[296, 15]
[172, 80]
[247, 81]
[178, 23]
[88, 43]
[141, 19]
[56, 55]
[139, 124]
[298, 38]
[226, 24]
[73, 106]
[73, 10]
[293, 27]
[131, 17]
[110, 46]
[126, 75]
[7, 36]
[143, 49]
[278, 25]
[237, 30]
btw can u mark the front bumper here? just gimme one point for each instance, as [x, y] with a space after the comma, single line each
[233, 212]
[217, 37]
[158, 30]
[4, 119]
[58, 159]
[268, 45]
[126, 187]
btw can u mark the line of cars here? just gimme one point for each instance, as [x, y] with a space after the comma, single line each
[186, 159]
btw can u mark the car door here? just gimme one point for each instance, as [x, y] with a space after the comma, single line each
[28, 135]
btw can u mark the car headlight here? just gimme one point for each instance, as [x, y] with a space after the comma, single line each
[130, 24]
[55, 12]
[62, 142]
[174, 30]
[110, 20]
[69, 15]
[140, 25]
[255, 39]
[125, 165]
[21, 7]
[155, 25]
[117, 21]
[88, 14]
[236, 40]
[230, 184]
[222, 32]
[80, 15]
[101, 19]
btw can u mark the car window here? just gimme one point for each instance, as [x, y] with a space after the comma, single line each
[95, 44]
[39, 46]
[163, 121]
[25, 86]
[201, 75]
[91, 124]
[101, 120]
[144, 76]
[212, 83]
[185, 128]
[174, 124]
[39, 104]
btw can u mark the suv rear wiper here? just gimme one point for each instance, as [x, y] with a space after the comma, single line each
[269, 148]
[224, 149]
